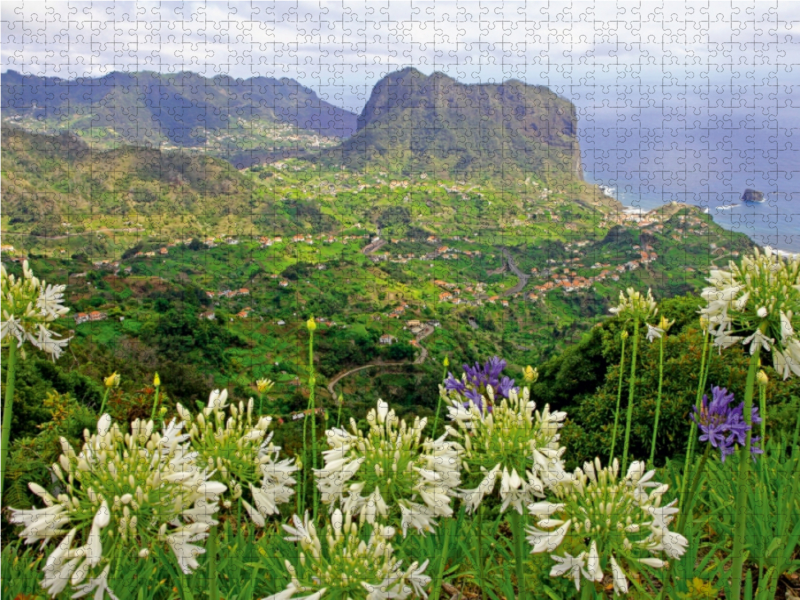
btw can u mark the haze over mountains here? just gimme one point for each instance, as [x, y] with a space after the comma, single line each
[412, 123]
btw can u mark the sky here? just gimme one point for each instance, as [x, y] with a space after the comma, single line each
[600, 55]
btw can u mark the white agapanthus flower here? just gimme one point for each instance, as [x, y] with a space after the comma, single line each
[391, 473]
[635, 305]
[599, 521]
[240, 454]
[28, 306]
[757, 303]
[349, 566]
[123, 494]
[513, 443]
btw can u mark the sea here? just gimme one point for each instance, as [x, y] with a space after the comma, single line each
[702, 155]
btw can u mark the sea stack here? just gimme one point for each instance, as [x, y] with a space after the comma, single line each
[752, 196]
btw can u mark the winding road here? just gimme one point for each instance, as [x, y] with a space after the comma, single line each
[523, 278]
[417, 361]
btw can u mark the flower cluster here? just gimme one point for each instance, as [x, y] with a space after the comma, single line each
[392, 462]
[239, 453]
[476, 380]
[349, 567]
[28, 305]
[514, 443]
[716, 419]
[122, 495]
[616, 525]
[635, 305]
[757, 303]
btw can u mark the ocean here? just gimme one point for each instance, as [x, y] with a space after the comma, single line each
[702, 156]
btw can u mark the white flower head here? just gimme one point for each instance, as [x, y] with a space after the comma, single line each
[27, 308]
[123, 491]
[237, 449]
[363, 473]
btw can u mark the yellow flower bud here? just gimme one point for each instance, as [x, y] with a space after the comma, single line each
[311, 324]
[264, 385]
[157, 380]
[762, 378]
[530, 374]
[112, 380]
[446, 362]
[162, 411]
[665, 323]
[704, 322]
[624, 335]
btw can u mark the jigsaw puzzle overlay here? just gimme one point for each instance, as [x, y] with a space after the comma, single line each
[366, 300]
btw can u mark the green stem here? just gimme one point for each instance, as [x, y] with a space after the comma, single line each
[7, 408]
[519, 553]
[688, 503]
[437, 583]
[480, 548]
[762, 397]
[693, 429]
[796, 432]
[211, 549]
[103, 405]
[312, 406]
[260, 404]
[741, 495]
[587, 591]
[155, 404]
[339, 415]
[438, 409]
[658, 401]
[619, 397]
[631, 387]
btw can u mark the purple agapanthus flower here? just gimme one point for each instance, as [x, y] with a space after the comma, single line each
[478, 378]
[721, 425]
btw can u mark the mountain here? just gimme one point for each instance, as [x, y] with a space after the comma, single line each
[434, 124]
[59, 187]
[177, 110]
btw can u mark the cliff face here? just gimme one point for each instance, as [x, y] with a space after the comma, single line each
[181, 108]
[436, 124]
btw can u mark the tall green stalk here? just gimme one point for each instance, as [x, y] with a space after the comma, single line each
[157, 383]
[480, 548]
[446, 363]
[744, 468]
[7, 409]
[311, 325]
[688, 501]
[339, 415]
[619, 398]
[658, 400]
[693, 429]
[519, 553]
[211, 550]
[631, 387]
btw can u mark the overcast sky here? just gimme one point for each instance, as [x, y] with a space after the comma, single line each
[612, 54]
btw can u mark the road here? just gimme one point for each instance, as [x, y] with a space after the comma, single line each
[428, 329]
[523, 278]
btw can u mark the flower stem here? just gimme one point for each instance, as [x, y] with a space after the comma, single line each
[619, 397]
[437, 583]
[519, 554]
[312, 406]
[260, 404]
[744, 467]
[658, 401]
[438, 409]
[339, 412]
[480, 548]
[155, 404]
[211, 549]
[693, 428]
[689, 500]
[103, 405]
[7, 408]
[631, 386]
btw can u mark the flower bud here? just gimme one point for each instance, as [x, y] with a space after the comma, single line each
[762, 378]
[311, 324]
[264, 385]
[112, 380]
[530, 374]
[446, 362]
[157, 380]
[762, 313]
[624, 335]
